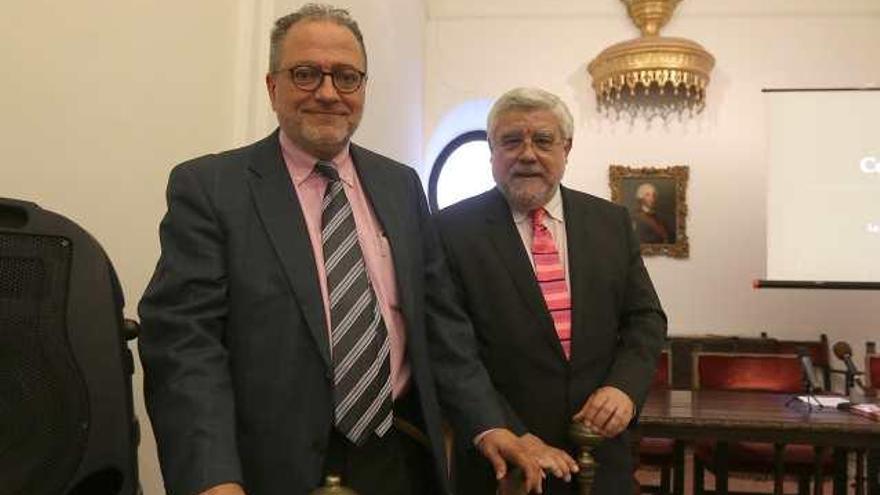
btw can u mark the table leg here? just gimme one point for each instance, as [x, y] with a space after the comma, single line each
[678, 468]
[840, 470]
[699, 476]
[721, 456]
[778, 471]
[860, 472]
[665, 481]
[874, 472]
[817, 466]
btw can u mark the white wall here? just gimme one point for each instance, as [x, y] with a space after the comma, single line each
[481, 49]
[394, 32]
[99, 99]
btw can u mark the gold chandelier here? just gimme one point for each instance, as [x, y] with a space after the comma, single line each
[651, 75]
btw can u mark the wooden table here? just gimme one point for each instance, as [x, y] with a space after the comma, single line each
[764, 417]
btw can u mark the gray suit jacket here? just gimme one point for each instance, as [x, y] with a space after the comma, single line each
[618, 325]
[234, 345]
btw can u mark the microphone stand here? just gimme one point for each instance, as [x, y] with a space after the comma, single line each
[850, 381]
[810, 392]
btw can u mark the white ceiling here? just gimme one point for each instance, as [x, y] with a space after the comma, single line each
[443, 9]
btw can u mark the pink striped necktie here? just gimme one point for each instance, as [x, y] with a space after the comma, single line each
[551, 279]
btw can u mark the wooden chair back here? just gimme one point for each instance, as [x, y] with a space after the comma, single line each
[683, 347]
[872, 368]
[663, 373]
[748, 372]
[819, 351]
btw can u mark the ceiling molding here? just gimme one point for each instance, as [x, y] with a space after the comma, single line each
[439, 10]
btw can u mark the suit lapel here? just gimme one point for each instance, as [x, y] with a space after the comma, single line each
[581, 264]
[279, 209]
[386, 201]
[376, 187]
[507, 242]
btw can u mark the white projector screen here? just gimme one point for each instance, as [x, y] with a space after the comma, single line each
[823, 190]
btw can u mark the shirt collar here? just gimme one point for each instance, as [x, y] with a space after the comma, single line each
[301, 165]
[552, 207]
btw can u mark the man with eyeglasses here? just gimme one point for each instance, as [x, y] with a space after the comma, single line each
[553, 281]
[300, 320]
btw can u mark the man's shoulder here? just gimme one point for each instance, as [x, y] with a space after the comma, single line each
[469, 208]
[235, 159]
[364, 157]
[580, 199]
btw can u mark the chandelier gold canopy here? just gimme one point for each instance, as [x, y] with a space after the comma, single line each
[651, 74]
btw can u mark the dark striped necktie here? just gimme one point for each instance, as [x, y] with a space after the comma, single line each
[358, 337]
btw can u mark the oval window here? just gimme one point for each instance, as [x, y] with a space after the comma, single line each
[461, 170]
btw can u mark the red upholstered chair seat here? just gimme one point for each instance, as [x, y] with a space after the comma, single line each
[758, 457]
[649, 446]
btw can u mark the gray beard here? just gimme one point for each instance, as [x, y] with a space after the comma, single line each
[523, 201]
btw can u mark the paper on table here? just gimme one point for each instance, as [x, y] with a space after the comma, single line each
[823, 400]
[870, 411]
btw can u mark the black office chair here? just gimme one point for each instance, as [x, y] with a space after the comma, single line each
[65, 370]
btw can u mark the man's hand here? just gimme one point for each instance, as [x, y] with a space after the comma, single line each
[500, 445]
[557, 461]
[607, 411]
[225, 489]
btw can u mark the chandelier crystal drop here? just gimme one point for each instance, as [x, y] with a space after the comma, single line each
[651, 75]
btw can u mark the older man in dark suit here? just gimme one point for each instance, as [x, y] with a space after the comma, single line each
[567, 320]
[301, 309]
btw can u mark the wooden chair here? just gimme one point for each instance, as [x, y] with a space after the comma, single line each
[872, 369]
[682, 348]
[780, 373]
[659, 452]
[819, 350]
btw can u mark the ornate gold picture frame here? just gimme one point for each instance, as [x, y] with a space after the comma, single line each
[656, 200]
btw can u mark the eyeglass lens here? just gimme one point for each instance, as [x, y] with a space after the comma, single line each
[543, 141]
[309, 77]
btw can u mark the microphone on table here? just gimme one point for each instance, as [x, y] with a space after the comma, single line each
[843, 351]
[811, 381]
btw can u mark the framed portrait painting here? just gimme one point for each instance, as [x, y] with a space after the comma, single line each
[656, 200]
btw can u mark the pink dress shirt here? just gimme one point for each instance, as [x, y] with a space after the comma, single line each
[310, 186]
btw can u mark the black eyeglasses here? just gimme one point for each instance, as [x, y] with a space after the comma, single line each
[310, 77]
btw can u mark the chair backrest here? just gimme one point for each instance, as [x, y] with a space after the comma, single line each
[663, 371]
[683, 347]
[748, 372]
[872, 367]
[819, 352]
[64, 362]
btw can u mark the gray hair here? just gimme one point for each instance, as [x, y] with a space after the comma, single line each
[532, 99]
[311, 12]
[643, 188]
